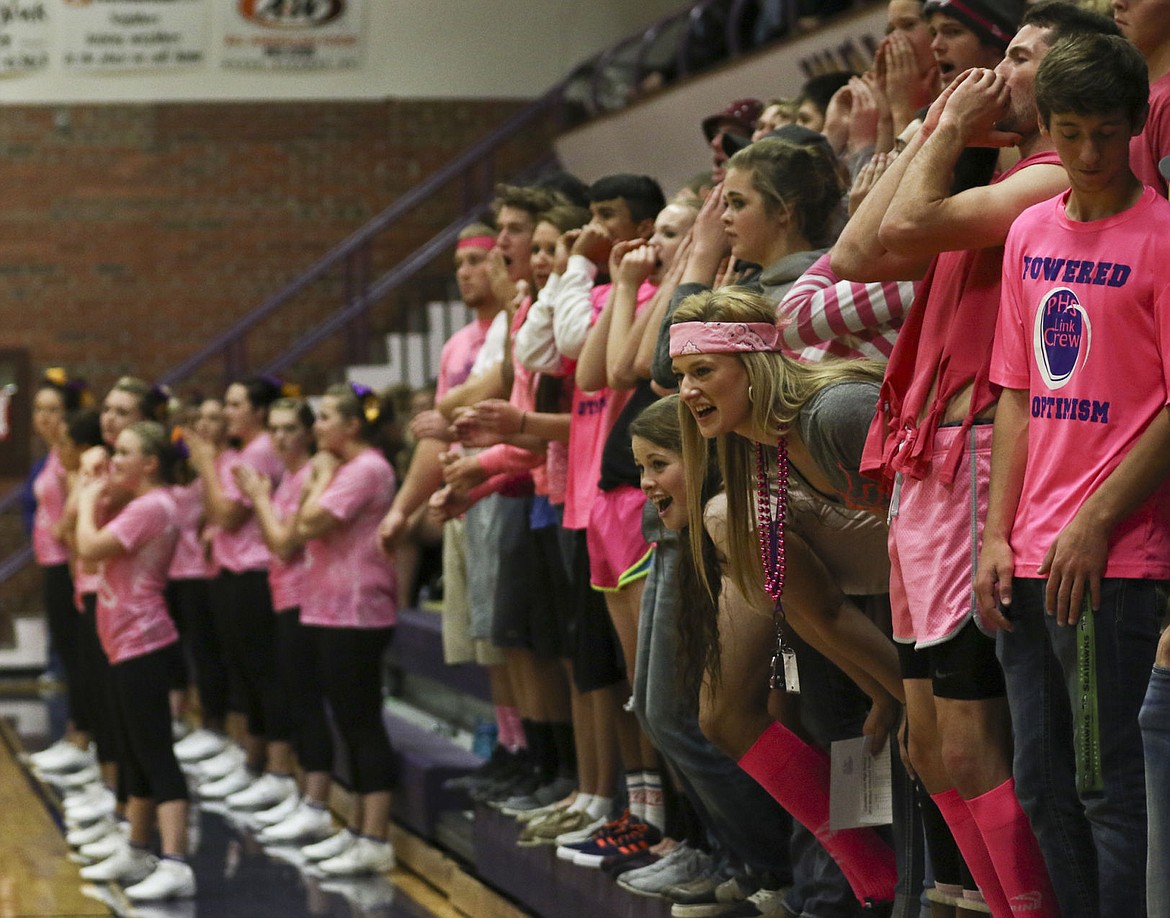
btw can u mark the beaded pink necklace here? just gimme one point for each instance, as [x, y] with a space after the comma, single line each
[771, 534]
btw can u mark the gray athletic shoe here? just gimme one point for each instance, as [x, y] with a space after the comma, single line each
[682, 864]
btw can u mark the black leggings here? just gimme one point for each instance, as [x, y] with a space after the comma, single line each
[65, 631]
[297, 660]
[95, 677]
[189, 602]
[246, 624]
[148, 767]
[349, 664]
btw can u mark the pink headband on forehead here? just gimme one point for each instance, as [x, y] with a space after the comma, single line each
[476, 242]
[723, 338]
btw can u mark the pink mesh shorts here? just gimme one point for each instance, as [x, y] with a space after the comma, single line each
[618, 555]
[934, 541]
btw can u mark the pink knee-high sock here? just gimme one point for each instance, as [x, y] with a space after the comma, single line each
[797, 775]
[970, 841]
[1021, 868]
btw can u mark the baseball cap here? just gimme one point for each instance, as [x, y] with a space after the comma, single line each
[994, 21]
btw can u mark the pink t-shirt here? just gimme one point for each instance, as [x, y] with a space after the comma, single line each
[51, 490]
[244, 549]
[1084, 328]
[458, 355]
[286, 579]
[190, 560]
[349, 583]
[1147, 149]
[132, 617]
[593, 415]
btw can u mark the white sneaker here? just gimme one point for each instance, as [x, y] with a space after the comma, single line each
[199, 745]
[171, 879]
[265, 792]
[278, 813]
[108, 845]
[89, 807]
[307, 821]
[366, 855]
[219, 765]
[62, 756]
[69, 781]
[366, 893]
[83, 835]
[231, 783]
[126, 865]
[331, 847]
[582, 834]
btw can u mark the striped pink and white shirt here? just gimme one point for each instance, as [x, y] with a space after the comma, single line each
[824, 315]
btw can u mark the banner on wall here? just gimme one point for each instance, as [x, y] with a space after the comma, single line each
[120, 35]
[293, 35]
[24, 36]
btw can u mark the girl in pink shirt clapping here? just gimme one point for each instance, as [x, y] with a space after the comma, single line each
[134, 549]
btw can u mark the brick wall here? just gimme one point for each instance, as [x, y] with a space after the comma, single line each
[131, 234]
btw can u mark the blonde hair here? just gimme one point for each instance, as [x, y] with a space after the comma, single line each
[780, 388]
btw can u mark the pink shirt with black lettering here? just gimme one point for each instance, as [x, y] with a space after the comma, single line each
[132, 617]
[51, 490]
[243, 549]
[349, 583]
[286, 579]
[190, 560]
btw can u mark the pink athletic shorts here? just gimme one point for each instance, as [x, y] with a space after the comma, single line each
[618, 555]
[934, 541]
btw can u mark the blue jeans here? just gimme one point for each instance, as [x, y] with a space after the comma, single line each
[1094, 844]
[740, 815]
[1155, 724]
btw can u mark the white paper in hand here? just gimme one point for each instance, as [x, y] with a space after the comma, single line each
[859, 790]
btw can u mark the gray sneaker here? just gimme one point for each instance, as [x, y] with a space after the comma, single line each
[708, 896]
[545, 795]
[682, 864]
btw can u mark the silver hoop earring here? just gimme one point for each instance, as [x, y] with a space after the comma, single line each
[751, 398]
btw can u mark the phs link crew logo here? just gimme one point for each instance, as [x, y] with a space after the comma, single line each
[1062, 335]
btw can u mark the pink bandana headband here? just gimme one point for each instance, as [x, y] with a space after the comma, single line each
[723, 338]
[476, 242]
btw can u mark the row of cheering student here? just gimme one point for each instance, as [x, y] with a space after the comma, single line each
[912, 487]
[234, 544]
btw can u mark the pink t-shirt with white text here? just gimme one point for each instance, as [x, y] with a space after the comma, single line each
[51, 490]
[243, 549]
[132, 617]
[349, 583]
[190, 560]
[286, 579]
[1084, 329]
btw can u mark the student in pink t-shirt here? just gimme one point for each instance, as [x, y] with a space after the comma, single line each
[241, 599]
[290, 423]
[1076, 547]
[129, 401]
[54, 399]
[349, 610]
[134, 550]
